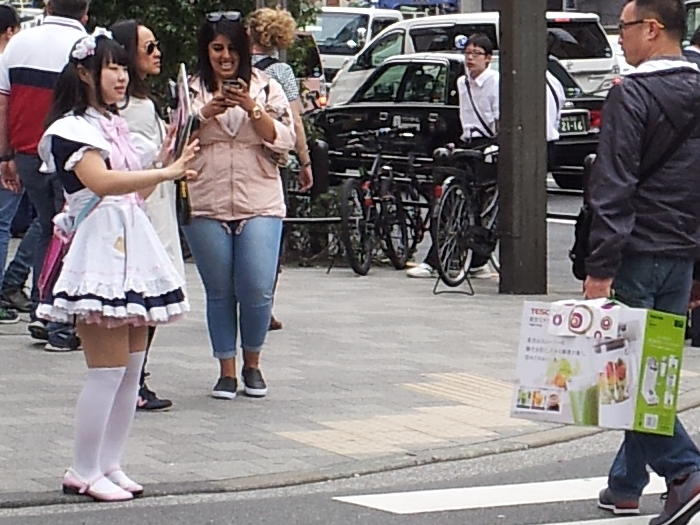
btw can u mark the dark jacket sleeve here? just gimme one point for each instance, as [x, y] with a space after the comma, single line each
[614, 178]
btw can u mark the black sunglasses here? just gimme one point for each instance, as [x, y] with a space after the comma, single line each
[152, 46]
[217, 16]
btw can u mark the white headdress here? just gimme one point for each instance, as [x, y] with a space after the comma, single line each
[86, 46]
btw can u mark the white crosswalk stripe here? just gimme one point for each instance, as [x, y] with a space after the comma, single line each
[494, 496]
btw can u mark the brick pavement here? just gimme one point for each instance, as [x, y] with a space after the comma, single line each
[367, 371]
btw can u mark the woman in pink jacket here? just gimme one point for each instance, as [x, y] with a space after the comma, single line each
[237, 204]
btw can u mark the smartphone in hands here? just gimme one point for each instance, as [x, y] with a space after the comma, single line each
[233, 83]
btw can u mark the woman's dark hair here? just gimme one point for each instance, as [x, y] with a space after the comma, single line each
[235, 31]
[126, 32]
[71, 93]
[8, 17]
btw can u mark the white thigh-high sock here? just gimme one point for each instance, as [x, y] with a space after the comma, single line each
[91, 414]
[122, 414]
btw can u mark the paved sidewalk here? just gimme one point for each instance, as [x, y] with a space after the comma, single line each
[367, 374]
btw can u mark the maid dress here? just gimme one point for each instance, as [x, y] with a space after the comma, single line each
[116, 271]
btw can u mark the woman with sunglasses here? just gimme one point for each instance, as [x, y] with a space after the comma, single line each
[245, 130]
[148, 133]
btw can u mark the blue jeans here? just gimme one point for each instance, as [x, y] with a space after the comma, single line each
[20, 266]
[661, 283]
[9, 201]
[46, 195]
[238, 269]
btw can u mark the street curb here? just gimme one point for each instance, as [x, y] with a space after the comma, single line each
[542, 438]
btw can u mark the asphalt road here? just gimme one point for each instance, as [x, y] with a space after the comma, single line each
[315, 503]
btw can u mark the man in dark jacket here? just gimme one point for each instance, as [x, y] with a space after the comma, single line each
[645, 232]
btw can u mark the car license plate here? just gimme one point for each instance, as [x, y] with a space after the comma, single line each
[573, 123]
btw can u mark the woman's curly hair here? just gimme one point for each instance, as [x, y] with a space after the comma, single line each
[272, 28]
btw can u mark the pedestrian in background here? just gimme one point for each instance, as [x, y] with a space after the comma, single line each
[645, 230]
[9, 197]
[116, 278]
[148, 134]
[270, 31]
[29, 68]
[246, 130]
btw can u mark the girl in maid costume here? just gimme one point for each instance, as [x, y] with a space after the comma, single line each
[116, 278]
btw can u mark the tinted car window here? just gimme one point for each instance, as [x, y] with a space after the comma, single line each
[384, 86]
[569, 40]
[303, 56]
[386, 47]
[379, 24]
[443, 38]
[425, 83]
[336, 33]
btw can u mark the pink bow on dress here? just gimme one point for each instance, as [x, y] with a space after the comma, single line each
[123, 156]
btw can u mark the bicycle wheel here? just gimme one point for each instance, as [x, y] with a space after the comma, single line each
[414, 214]
[452, 217]
[489, 219]
[394, 230]
[356, 226]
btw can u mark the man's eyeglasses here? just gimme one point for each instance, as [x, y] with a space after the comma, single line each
[218, 16]
[151, 47]
[474, 53]
[624, 25]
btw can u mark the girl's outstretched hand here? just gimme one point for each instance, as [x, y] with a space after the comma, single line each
[166, 149]
[179, 169]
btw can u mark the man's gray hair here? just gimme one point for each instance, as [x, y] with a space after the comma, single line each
[75, 9]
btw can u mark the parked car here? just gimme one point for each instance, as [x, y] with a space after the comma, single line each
[304, 58]
[342, 32]
[418, 92]
[580, 42]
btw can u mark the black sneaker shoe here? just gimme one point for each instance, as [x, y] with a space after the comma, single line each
[682, 501]
[253, 382]
[148, 400]
[225, 388]
[618, 506]
[8, 316]
[62, 341]
[17, 300]
[37, 329]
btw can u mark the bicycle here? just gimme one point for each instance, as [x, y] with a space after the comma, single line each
[464, 225]
[371, 208]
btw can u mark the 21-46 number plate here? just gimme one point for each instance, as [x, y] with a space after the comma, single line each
[577, 123]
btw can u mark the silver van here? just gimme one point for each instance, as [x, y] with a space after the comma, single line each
[579, 42]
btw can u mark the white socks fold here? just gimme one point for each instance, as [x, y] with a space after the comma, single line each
[103, 416]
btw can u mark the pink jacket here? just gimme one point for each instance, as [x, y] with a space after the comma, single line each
[238, 178]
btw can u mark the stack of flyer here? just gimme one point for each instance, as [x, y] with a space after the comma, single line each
[599, 363]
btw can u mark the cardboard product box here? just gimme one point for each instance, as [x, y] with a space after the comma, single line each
[599, 363]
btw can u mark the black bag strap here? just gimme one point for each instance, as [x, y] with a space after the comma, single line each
[266, 62]
[487, 129]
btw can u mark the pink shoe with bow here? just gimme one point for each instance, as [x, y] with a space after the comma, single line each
[99, 489]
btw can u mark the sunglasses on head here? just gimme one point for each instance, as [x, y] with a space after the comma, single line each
[217, 16]
[152, 46]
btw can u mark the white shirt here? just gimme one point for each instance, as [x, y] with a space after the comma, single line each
[554, 106]
[484, 89]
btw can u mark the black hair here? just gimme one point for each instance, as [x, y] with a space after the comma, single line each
[126, 32]
[695, 39]
[74, 9]
[71, 93]
[8, 17]
[235, 31]
[482, 41]
[671, 13]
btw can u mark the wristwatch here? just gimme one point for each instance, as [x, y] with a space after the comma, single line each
[256, 112]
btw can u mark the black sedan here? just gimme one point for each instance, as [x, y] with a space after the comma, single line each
[419, 93]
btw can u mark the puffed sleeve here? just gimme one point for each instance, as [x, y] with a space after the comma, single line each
[277, 106]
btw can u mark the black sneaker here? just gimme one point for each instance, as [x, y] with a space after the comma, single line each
[253, 382]
[148, 400]
[62, 341]
[17, 300]
[37, 329]
[618, 506]
[8, 316]
[225, 388]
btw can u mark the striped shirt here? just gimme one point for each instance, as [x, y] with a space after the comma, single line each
[29, 68]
